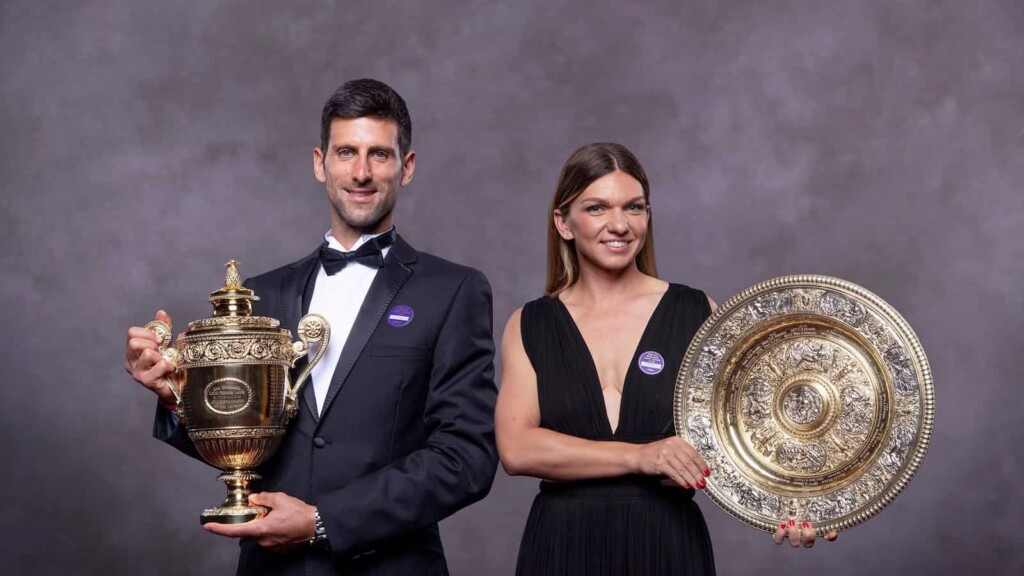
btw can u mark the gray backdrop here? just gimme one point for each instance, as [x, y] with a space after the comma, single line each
[146, 143]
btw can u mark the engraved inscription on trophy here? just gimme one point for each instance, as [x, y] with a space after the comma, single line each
[227, 396]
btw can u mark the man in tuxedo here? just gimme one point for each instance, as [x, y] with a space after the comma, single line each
[395, 431]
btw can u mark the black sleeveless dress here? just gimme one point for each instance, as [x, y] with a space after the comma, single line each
[630, 525]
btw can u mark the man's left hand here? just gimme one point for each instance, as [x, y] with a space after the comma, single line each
[290, 523]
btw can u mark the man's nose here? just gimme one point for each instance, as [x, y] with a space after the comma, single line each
[362, 170]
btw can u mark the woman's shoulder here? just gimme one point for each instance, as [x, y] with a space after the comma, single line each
[532, 309]
[688, 294]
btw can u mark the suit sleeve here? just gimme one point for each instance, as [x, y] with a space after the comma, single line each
[456, 465]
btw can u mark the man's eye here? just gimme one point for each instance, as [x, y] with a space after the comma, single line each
[380, 155]
[344, 153]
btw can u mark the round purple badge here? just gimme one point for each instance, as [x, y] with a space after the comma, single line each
[400, 316]
[651, 363]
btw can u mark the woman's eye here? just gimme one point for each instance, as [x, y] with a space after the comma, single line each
[594, 209]
[636, 208]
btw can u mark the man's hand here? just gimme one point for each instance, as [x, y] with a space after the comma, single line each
[144, 362]
[799, 533]
[290, 523]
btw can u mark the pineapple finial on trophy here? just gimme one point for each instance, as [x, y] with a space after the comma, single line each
[232, 299]
[232, 279]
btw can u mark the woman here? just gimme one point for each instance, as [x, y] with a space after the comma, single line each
[586, 396]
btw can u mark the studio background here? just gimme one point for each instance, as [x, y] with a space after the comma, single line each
[145, 144]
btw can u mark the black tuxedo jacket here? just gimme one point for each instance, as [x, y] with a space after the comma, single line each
[406, 436]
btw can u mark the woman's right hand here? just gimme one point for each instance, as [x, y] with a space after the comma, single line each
[674, 458]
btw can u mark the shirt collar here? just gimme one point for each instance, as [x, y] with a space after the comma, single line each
[332, 242]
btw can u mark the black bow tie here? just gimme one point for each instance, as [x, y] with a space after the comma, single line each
[370, 254]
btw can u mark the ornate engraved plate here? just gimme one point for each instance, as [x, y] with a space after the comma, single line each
[810, 398]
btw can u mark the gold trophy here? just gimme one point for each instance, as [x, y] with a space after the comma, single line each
[235, 399]
[811, 398]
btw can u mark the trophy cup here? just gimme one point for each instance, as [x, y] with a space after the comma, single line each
[235, 399]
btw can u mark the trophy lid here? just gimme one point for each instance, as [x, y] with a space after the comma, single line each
[232, 307]
[232, 299]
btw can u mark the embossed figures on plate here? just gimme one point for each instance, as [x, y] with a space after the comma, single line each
[811, 398]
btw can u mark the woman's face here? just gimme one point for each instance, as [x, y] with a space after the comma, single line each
[608, 221]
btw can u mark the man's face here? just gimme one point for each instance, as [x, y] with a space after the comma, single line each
[362, 169]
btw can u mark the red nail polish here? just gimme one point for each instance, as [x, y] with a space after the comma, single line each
[782, 526]
[806, 525]
[703, 482]
[707, 471]
[792, 522]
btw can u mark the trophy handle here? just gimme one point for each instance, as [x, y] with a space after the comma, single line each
[169, 353]
[312, 328]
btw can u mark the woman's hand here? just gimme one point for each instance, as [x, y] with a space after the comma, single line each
[672, 457]
[799, 533]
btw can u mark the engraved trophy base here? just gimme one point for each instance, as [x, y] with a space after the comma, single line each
[236, 509]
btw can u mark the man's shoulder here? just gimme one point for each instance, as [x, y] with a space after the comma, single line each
[429, 265]
[274, 277]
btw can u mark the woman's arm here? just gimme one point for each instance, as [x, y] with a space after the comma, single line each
[529, 450]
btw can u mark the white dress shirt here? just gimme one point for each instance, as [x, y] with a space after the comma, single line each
[338, 299]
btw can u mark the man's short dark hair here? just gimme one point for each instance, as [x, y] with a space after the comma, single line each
[367, 98]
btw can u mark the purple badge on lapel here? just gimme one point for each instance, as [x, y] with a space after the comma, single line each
[651, 363]
[400, 316]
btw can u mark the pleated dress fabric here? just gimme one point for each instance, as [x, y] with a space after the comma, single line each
[625, 526]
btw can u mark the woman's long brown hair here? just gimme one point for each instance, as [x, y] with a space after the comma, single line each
[581, 170]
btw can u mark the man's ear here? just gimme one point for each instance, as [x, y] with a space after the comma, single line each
[408, 167]
[318, 165]
[561, 225]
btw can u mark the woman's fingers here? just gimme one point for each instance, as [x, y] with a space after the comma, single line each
[807, 535]
[794, 534]
[780, 534]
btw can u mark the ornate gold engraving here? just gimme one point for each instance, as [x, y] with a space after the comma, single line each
[810, 397]
[236, 400]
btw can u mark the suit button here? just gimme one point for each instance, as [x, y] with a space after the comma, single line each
[319, 442]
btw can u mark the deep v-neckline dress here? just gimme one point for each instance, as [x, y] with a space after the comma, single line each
[630, 525]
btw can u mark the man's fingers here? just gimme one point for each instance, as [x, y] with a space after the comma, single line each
[246, 530]
[164, 317]
[263, 498]
[150, 359]
[144, 333]
[136, 346]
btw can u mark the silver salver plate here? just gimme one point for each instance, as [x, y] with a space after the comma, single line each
[810, 398]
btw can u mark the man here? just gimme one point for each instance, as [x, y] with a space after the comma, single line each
[395, 432]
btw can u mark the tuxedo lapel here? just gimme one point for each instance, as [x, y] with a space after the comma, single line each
[293, 285]
[389, 280]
